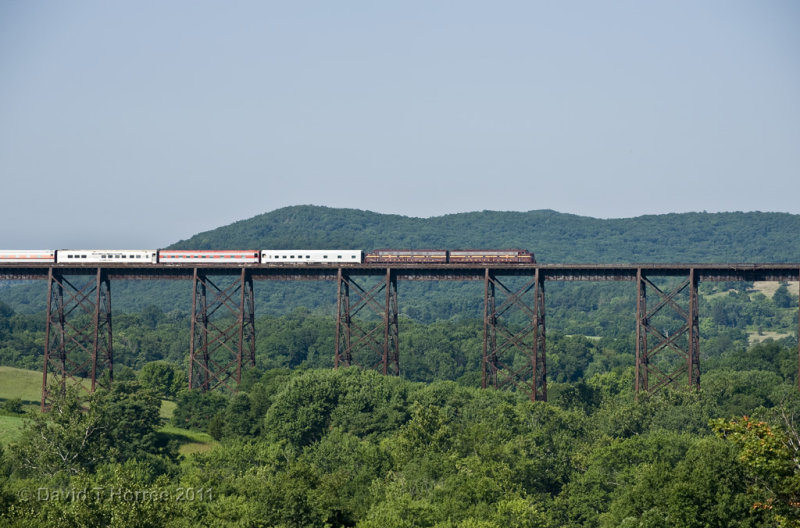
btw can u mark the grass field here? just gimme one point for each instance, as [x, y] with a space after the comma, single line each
[27, 386]
[167, 408]
[10, 429]
[755, 337]
[190, 441]
[768, 287]
[23, 384]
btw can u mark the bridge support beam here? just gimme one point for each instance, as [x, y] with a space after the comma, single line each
[652, 375]
[514, 350]
[367, 341]
[78, 332]
[223, 329]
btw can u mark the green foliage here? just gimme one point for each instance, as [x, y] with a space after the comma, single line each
[162, 378]
[704, 488]
[361, 402]
[353, 448]
[783, 299]
[130, 417]
[117, 495]
[13, 406]
[119, 424]
[61, 441]
[769, 456]
[195, 409]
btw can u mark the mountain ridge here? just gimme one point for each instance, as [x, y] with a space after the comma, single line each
[551, 235]
[555, 238]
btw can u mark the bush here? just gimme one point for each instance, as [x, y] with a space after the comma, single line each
[14, 406]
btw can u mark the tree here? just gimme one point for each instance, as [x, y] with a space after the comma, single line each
[195, 409]
[152, 315]
[782, 298]
[119, 424]
[65, 440]
[770, 457]
[130, 418]
[14, 406]
[239, 420]
[162, 377]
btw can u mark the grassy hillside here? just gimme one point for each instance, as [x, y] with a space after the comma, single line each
[27, 386]
[19, 383]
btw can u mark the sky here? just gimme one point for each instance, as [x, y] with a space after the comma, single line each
[137, 124]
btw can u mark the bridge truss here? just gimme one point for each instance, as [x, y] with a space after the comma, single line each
[78, 332]
[78, 348]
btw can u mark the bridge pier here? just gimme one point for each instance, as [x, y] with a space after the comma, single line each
[685, 340]
[223, 338]
[514, 352]
[361, 341]
[78, 332]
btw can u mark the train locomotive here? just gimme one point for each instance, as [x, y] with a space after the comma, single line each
[267, 256]
[449, 256]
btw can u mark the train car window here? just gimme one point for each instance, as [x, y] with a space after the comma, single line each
[83, 256]
[324, 256]
[308, 256]
[338, 256]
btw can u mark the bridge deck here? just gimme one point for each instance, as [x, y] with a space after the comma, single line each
[455, 272]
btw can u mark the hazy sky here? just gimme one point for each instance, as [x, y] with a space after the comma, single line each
[135, 124]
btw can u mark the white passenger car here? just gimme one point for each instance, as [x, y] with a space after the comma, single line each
[313, 256]
[92, 256]
[27, 256]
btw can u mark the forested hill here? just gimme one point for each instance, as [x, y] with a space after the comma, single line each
[554, 237]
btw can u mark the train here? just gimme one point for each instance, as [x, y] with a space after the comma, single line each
[266, 256]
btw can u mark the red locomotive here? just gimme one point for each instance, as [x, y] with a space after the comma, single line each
[453, 256]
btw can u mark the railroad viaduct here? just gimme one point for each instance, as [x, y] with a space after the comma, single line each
[79, 331]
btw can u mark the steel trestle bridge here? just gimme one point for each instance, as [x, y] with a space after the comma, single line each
[79, 336]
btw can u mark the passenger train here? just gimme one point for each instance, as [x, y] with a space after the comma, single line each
[265, 256]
